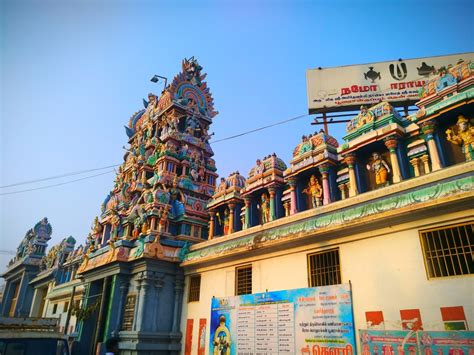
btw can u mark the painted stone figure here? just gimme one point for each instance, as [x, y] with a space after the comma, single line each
[265, 208]
[463, 137]
[226, 221]
[314, 191]
[380, 168]
[260, 168]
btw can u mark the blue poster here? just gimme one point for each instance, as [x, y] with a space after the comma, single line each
[303, 321]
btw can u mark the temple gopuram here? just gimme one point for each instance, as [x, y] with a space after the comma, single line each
[358, 246]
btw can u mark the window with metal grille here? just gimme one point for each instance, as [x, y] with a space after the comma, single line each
[243, 280]
[324, 268]
[194, 288]
[448, 250]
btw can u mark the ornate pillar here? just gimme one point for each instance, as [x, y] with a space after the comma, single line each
[231, 217]
[248, 202]
[350, 161]
[158, 283]
[286, 206]
[211, 225]
[272, 192]
[137, 306]
[342, 188]
[178, 293]
[292, 183]
[391, 143]
[324, 169]
[121, 306]
[416, 168]
[426, 163]
[428, 128]
[142, 296]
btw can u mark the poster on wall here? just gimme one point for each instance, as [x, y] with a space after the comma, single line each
[376, 342]
[404, 342]
[303, 321]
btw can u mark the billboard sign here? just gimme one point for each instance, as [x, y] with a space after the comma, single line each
[397, 81]
[302, 321]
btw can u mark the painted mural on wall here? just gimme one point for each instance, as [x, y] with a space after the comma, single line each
[301, 321]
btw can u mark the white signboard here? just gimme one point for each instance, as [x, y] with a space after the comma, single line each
[397, 81]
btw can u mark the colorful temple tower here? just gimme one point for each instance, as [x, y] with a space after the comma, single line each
[156, 208]
[263, 190]
[23, 268]
[225, 208]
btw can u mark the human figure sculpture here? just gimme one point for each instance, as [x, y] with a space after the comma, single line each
[222, 185]
[226, 221]
[380, 168]
[260, 168]
[463, 137]
[265, 208]
[315, 191]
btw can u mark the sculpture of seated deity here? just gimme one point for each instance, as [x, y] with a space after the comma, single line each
[463, 137]
[380, 168]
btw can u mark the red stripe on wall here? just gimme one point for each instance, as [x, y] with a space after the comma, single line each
[189, 337]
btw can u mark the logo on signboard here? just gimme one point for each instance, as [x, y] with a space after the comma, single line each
[401, 72]
[372, 75]
[425, 69]
[224, 302]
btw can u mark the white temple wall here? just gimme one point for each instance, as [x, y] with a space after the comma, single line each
[385, 267]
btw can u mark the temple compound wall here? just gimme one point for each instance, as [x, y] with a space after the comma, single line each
[389, 213]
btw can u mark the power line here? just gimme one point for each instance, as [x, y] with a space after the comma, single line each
[54, 185]
[260, 129]
[59, 176]
[115, 165]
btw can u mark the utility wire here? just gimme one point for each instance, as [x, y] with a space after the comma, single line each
[54, 185]
[115, 165]
[260, 129]
[59, 176]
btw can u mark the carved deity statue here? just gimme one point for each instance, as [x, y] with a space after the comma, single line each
[380, 168]
[314, 191]
[463, 137]
[260, 168]
[222, 185]
[96, 231]
[265, 208]
[226, 221]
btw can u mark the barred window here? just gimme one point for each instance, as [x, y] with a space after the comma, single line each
[243, 280]
[194, 288]
[448, 250]
[324, 268]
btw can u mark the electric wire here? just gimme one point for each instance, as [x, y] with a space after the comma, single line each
[59, 176]
[54, 185]
[115, 165]
[260, 128]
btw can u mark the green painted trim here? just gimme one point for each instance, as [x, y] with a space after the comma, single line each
[465, 95]
[341, 217]
[109, 309]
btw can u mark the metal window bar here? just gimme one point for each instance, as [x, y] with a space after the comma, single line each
[244, 280]
[194, 288]
[448, 251]
[324, 268]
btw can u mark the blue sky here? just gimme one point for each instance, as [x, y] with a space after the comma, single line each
[73, 72]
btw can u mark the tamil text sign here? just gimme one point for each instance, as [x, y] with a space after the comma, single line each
[397, 81]
[302, 321]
